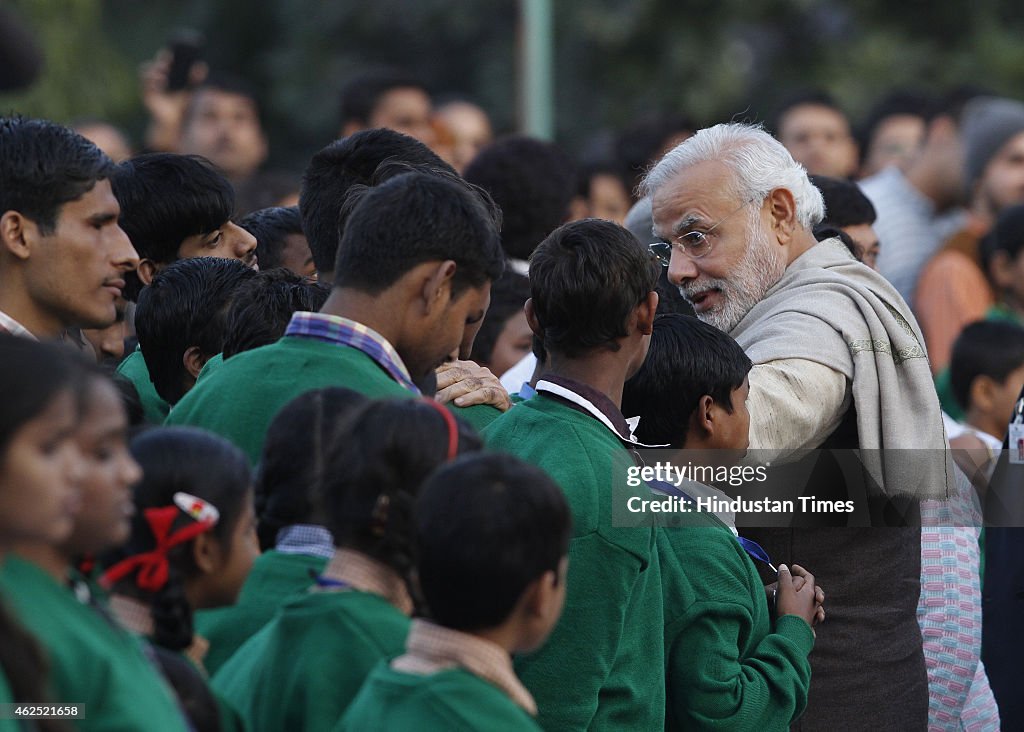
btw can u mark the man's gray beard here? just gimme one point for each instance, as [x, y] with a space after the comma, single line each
[761, 267]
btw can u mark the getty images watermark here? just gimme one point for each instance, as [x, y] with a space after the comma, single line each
[813, 488]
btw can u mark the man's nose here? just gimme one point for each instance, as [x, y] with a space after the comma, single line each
[124, 255]
[681, 268]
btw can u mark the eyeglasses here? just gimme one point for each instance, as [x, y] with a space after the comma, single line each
[694, 244]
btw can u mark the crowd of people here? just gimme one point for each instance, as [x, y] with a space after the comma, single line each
[349, 452]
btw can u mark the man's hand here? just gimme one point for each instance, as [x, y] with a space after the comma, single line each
[166, 108]
[466, 384]
[798, 595]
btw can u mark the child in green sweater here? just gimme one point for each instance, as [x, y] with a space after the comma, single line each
[492, 535]
[304, 667]
[731, 662]
[295, 545]
[192, 544]
[38, 493]
[173, 207]
[92, 660]
[593, 305]
[415, 265]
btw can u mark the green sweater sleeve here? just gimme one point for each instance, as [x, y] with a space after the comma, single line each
[727, 669]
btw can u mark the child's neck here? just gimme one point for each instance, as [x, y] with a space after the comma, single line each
[985, 423]
[48, 557]
[506, 635]
[604, 371]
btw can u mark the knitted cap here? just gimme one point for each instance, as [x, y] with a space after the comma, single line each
[986, 125]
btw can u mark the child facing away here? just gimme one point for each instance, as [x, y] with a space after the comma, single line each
[296, 546]
[492, 542]
[732, 662]
[302, 669]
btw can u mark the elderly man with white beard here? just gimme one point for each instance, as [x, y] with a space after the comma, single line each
[838, 363]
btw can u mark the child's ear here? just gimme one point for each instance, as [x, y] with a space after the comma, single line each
[704, 418]
[194, 360]
[206, 553]
[982, 393]
[646, 311]
[531, 319]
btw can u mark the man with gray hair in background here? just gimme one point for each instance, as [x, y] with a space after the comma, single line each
[838, 363]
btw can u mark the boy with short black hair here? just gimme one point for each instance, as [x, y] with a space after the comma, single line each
[263, 306]
[728, 661]
[173, 207]
[280, 241]
[987, 372]
[593, 304]
[356, 160]
[492, 536]
[181, 320]
[415, 266]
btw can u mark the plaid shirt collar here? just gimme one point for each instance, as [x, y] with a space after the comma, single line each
[357, 571]
[430, 648]
[344, 332]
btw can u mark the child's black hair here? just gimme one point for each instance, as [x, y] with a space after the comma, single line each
[487, 526]
[992, 348]
[508, 295]
[292, 467]
[375, 469]
[186, 305]
[263, 305]
[32, 374]
[687, 360]
[845, 202]
[586, 279]
[415, 218]
[533, 182]
[201, 464]
[165, 198]
[271, 227]
[352, 161]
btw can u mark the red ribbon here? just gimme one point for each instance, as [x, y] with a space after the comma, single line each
[153, 565]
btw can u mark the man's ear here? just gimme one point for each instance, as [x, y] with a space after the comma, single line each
[438, 282]
[13, 229]
[147, 270]
[193, 360]
[540, 596]
[206, 553]
[782, 210]
[531, 319]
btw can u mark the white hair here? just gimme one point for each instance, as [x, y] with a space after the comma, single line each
[759, 162]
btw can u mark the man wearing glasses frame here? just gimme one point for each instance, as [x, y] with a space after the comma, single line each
[834, 349]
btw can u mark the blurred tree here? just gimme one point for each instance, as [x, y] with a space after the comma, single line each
[83, 75]
[614, 59]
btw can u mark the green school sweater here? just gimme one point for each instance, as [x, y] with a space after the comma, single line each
[275, 577]
[602, 667]
[726, 667]
[242, 395]
[92, 662]
[449, 700]
[302, 670]
[134, 369]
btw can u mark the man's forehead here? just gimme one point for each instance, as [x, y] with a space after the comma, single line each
[98, 199]
[693, 195]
